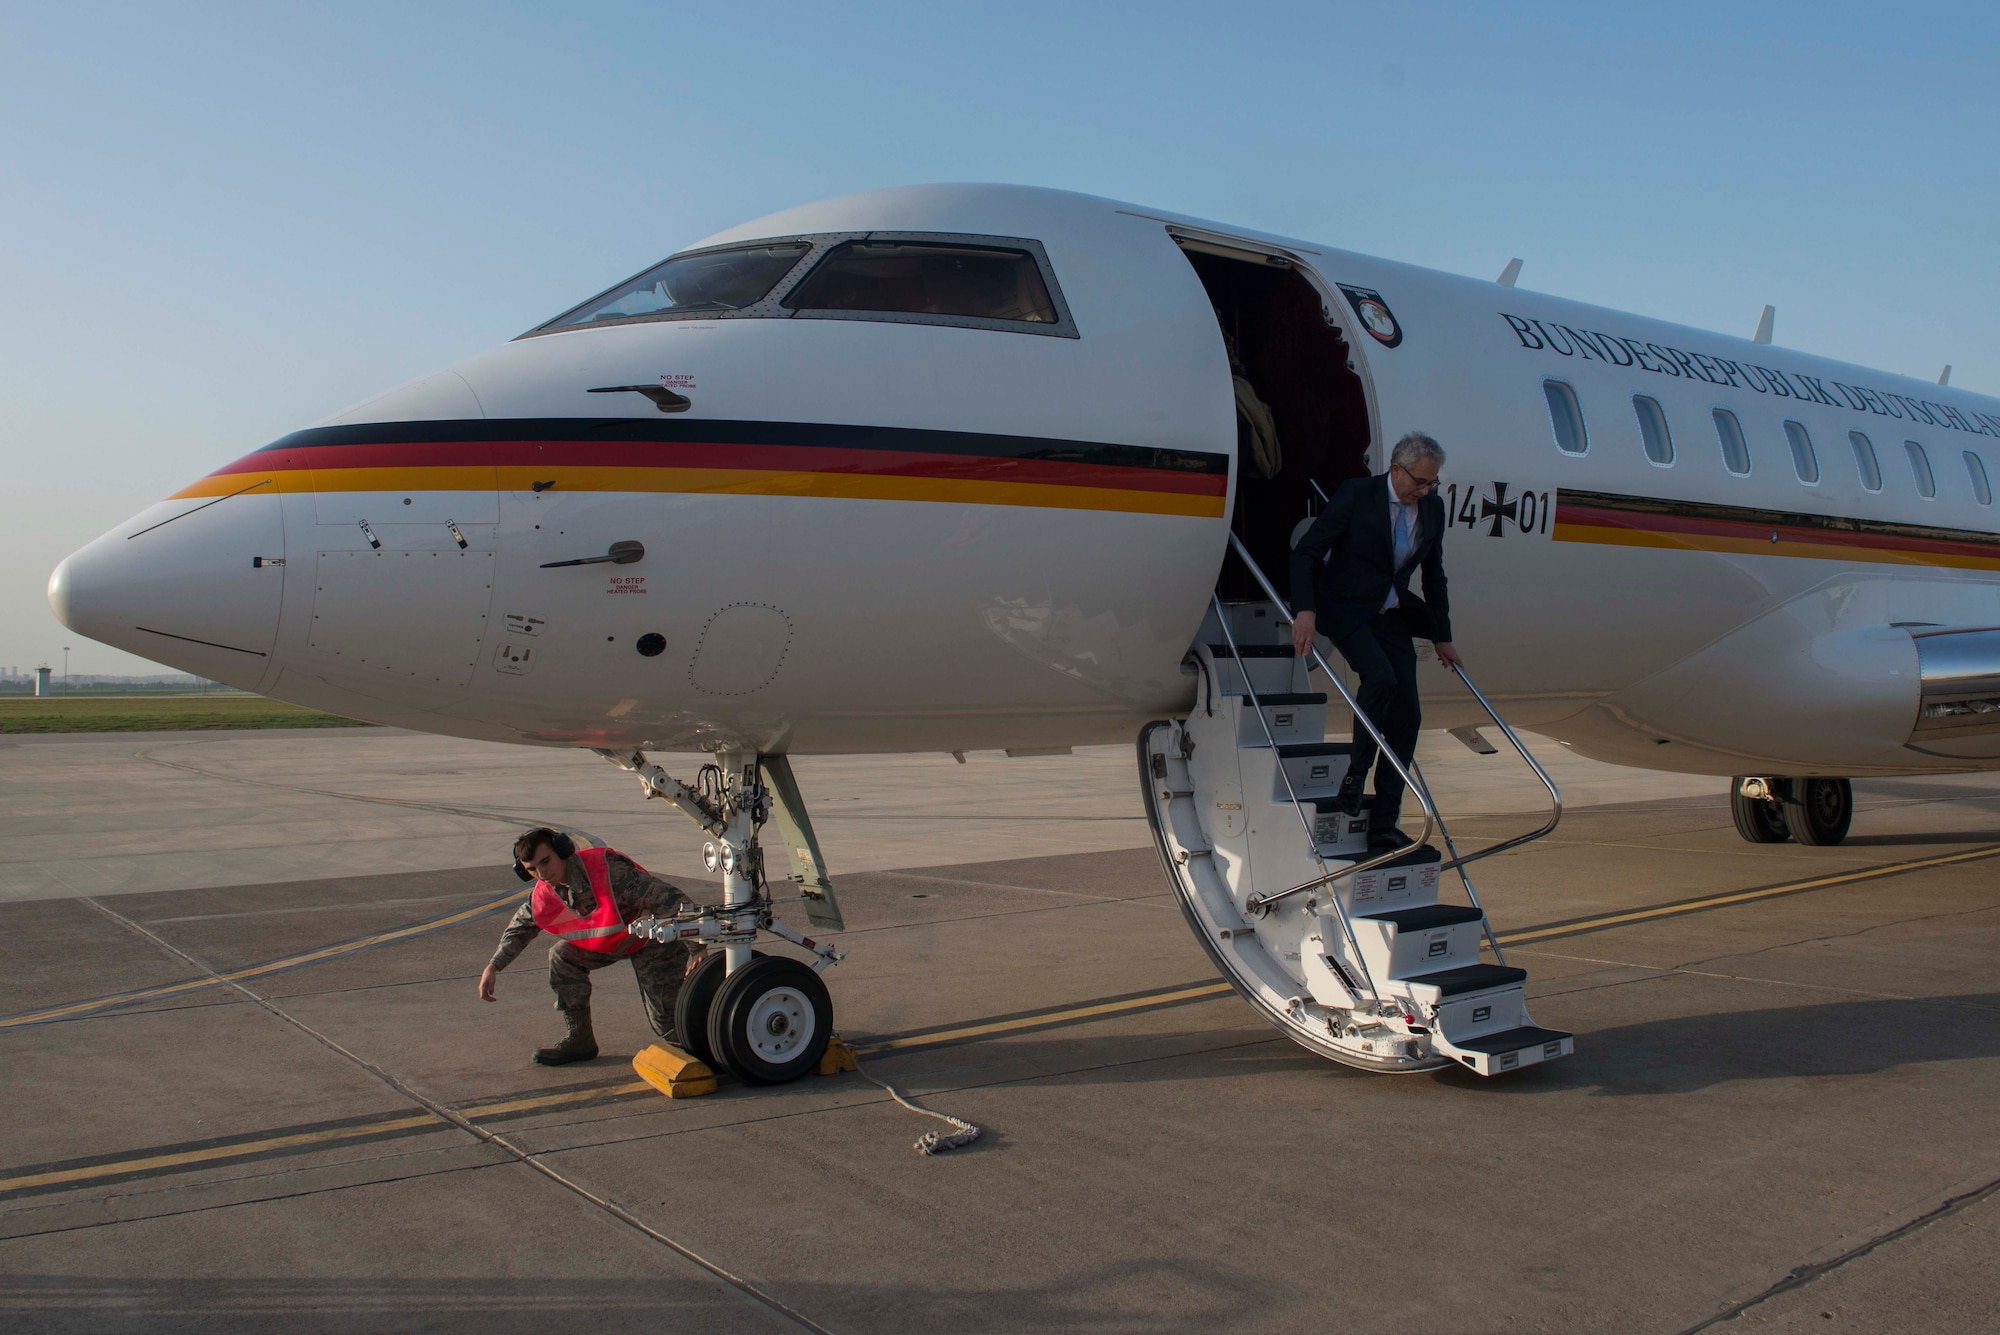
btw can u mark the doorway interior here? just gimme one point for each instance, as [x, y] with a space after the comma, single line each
[1298, 363]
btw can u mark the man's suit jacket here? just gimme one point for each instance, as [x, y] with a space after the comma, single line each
[1354, 538]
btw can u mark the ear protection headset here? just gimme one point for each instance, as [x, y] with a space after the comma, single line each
[559, 843]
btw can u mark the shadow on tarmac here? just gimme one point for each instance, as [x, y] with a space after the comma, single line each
[1139, 1297]
[1842, 1038]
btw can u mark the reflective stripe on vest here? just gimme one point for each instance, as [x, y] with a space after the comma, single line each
[602, 931]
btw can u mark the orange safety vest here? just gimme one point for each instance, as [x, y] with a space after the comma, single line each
[603, 931]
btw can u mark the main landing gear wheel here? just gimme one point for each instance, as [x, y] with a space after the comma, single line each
[1761, 820]
[697, 999]
[771, 1021]
[1818, 811]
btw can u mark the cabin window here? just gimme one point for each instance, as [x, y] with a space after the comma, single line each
[1920, 469]
[1566, 418]
[702, 282]
[1864, 461]
[1804, 461]
[1982, 491]
[1729, 434]
[1653, 433]
[927, 278]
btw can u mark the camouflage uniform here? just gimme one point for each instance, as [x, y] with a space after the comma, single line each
[660, 966]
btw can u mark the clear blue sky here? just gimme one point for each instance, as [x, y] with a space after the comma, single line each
[218, 223]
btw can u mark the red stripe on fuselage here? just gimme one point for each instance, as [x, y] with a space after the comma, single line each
[750, 458]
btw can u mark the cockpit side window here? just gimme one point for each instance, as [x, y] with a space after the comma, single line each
[924, 278]
[700, 282]
[975, 282]
[978, 282]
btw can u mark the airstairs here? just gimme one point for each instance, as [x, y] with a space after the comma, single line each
[1350, 954]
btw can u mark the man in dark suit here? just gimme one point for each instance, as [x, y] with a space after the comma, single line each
[1372, 537]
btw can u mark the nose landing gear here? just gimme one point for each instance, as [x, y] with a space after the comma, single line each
[1815, 812]
[764, 1018]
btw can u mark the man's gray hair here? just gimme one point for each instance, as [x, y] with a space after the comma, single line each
[1417, 446]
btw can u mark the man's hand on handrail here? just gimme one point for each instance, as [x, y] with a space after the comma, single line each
[1448, 654]
[1305, 626]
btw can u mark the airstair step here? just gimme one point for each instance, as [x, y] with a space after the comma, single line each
[1315, 769]
[1286, 718]
[1271, 668]
[1419, 941]
[1427, 917]
[1513, 1040]
[1511, 1049]
[1469, 978]
[1408, 880]
[1251, 651]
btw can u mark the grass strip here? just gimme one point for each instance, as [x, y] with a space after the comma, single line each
[166, 713]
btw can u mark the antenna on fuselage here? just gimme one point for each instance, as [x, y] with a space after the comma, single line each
[1764, 322]
[1944, 376]
[1510, 273]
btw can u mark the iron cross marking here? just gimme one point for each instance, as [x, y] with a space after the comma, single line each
[1499, 509]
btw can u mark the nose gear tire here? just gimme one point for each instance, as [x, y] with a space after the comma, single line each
[692, 1006]
[770, 1021]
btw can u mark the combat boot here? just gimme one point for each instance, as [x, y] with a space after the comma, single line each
[578, 1045]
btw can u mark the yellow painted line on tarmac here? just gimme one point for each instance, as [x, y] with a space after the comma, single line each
[1046, 1018]
[233, 1150]
[541, 1101]
[259, 970]
[245, 1149]
[1743, 896]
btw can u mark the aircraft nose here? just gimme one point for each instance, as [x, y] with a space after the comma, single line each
[61, 581]
[192, 584]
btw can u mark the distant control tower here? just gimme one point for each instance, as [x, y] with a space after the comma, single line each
[42, 683]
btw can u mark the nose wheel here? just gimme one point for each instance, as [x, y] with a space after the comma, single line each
[697, 999]
[770, 1020]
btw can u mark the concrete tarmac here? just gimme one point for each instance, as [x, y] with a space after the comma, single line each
[248, 1085]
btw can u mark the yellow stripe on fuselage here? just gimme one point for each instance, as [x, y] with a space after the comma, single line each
[730, 482]
[1854, 553]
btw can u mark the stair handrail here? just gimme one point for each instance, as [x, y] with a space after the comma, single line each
[1422, 795]
[1458, 862]
[1259, 904]
[1555, 794]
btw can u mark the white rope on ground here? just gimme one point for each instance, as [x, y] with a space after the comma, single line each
[931, 1142]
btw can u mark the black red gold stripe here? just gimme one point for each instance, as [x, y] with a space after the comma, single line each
[761, 458]
[1647, 521]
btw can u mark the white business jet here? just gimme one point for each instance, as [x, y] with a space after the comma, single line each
[957, 467]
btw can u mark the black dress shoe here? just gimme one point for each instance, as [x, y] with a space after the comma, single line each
[1386, 838]
[1349, 796]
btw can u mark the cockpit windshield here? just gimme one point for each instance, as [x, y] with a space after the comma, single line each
[707, 281]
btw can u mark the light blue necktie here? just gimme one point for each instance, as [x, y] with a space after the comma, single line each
[1400, 551]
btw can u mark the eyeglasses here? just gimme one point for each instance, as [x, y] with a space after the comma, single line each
[1423, 483]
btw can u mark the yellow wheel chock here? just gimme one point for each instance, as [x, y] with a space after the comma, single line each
[677, 1074]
